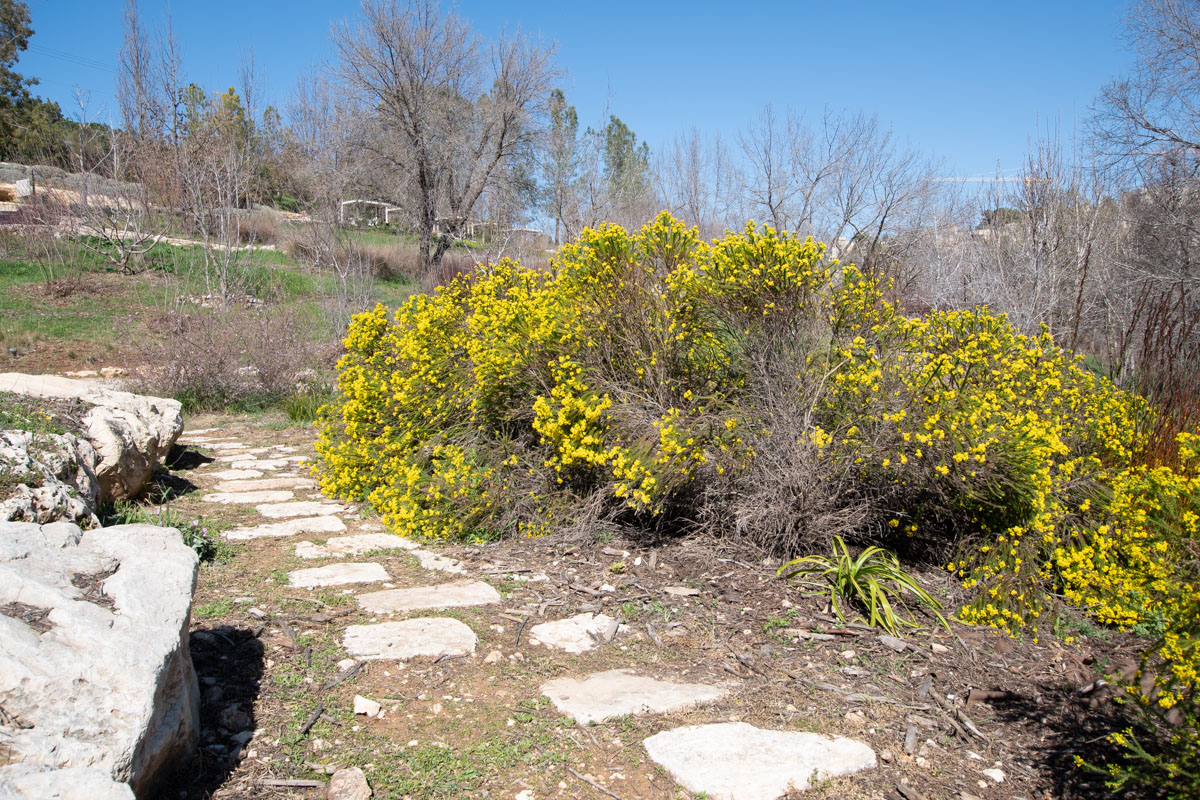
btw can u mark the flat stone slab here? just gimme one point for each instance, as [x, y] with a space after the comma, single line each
[737, 761]
[620, 691]
[271, 464]
[300, 508]
[459, 594]
[337, 575]
[235, 474]
[572, 634]
[250, 498]
[440, 563]
[410, 638]
[283, 482]
[353, 545]
[288, 527]
[236, 457]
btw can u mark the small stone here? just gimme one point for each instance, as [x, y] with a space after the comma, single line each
[856, 718]
[437, 562]
[345, 664]
[892, 643]
[847, 654]
[524, 794]
[256, 612]
[996, 775]
[232, 718]
[242, 737]
[939, 648]
[348, 784]
[493, 657]
[363, 705]
[887, 757]
[681, 591]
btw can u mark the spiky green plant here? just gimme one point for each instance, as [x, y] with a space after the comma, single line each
[873, 581]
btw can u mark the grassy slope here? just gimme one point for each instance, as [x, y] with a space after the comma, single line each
[79, 313]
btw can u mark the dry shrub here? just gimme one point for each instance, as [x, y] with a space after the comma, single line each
[233, 357]
[260, 227]
[445, 272]
[1168, 326]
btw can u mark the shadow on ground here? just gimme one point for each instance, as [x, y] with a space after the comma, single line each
[229, 666]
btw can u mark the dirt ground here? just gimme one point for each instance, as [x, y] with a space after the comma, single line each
[939, 707]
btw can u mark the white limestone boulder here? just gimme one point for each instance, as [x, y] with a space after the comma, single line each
[46, 477]
[38, 783]
[94, 653]
[131, 433]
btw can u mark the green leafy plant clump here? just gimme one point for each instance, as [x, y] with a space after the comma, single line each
[873, 582]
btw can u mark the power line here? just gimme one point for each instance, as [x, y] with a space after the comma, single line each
[71, 58]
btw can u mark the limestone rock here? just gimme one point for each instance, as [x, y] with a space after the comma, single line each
[288, 527]
[109, 684]
[299, 508]
[56, 474]
[409, 638]
[365, 705]
[248, 498]
[235, 474]
[287, 482]
[620, 691]
[459, 594]
[131, 433]
[575, 634]
[337, 575]
[354, 545]
[348, 784]
[438, 562]
[39, 783]
[736, 761]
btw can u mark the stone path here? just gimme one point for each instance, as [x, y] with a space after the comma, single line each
[728, 760]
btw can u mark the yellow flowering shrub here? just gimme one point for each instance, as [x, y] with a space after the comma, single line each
[751, 386]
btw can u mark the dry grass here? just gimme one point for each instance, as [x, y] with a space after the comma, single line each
[232, 357]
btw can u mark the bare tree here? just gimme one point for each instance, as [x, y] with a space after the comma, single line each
[695, 182]
[456, 110]
[770, 185]
[1156, 109]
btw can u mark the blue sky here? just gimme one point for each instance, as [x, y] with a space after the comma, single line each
[967, 81]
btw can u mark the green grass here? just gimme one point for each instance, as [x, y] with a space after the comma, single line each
[21, 413]
[217, 608]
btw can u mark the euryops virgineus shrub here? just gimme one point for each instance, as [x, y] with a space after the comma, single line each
[749, 386]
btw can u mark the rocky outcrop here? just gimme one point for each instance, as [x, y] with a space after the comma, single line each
[131, 433]
[95, 673]
[46, 477]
